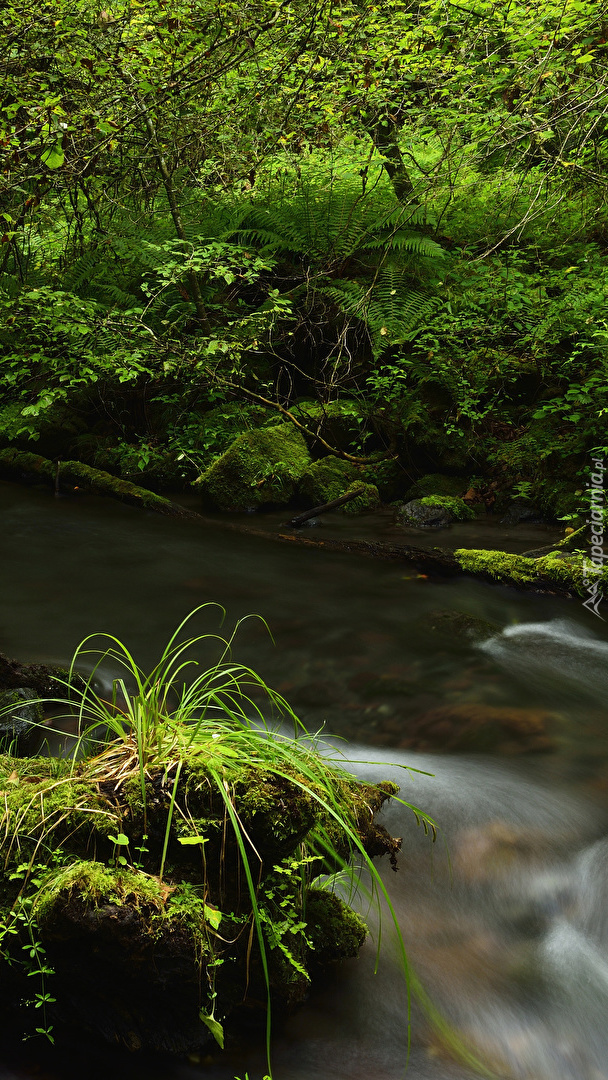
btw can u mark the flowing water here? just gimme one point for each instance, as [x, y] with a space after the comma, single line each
[506, 916]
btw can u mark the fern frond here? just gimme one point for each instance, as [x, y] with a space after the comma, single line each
[403, 240]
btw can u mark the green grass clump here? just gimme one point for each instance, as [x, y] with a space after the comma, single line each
[190, 811]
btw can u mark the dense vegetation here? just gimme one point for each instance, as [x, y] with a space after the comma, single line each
[386, 222]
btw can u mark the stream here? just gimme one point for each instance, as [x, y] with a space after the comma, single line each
[505, 917]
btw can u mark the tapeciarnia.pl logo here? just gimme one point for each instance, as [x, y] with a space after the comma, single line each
[592, 569]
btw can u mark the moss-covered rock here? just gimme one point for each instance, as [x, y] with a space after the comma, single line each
[327, 479]
[260, 468]
[433, 511]
[368, 499]
[145, 935]
[456, 507]
[334, 930]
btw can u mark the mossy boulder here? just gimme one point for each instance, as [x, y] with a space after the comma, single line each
[145, 935]
[433, 511]
[327, 479]
[260, 468]
[335, 931]
[367, 500]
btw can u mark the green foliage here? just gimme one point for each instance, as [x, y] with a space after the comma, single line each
[396, 203]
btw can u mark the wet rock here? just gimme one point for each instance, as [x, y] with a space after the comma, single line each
[522, 510]
[476, 727]
[20, 714]
[433, 511]
[46, 680]
[423, 516]
[495, 848]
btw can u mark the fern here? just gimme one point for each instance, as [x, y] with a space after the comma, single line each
[390, 308]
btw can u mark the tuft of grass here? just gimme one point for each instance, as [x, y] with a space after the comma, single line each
[206, 724]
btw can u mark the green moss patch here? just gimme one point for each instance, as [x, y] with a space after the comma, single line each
[368, 499]
[260, 468]
[327, 480]
[456, 507]
[565, 571]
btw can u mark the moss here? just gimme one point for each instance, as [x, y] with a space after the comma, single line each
[327, 480]
[131, 952]
[97, 884]
[457, 508]
[437, 484]
[76, 477]
[368, 499]
[46, 806]
[335, 931]
[508, 569]
[260, 468]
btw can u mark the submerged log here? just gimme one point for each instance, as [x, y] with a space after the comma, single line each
[559, 576]
[77, 477]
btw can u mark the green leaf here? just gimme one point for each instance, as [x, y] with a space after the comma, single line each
[54, 157]
[192, 839]
[121, 839]
[215, 1028]
[213, 916]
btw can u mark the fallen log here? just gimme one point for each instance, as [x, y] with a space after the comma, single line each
[75, 476]
[333, 505]
[553, 576]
